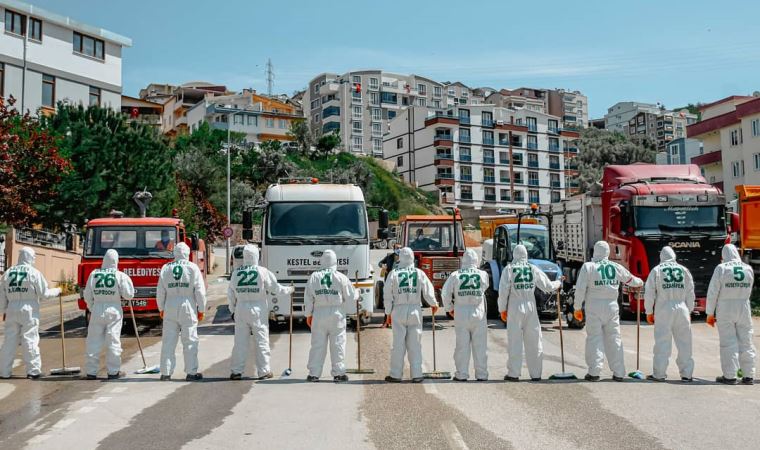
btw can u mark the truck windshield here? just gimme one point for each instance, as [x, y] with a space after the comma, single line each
[318, 222]
[131, 242]
[534, 240]
[680, 219]
[433, 236]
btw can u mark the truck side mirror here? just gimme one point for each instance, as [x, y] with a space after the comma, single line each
[487, 249]
[383, 224]
[194, 242]
[615, 219]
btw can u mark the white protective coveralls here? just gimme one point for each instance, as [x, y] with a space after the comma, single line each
[105, 289]
[181, 295]
[597, 287]
[728, 300]
[669, 295]
[251, 286]
[517, 297]
[464, 294]
[403, 293]
[326, 292]
[22, 287]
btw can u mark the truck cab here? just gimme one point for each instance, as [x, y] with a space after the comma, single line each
[144, 245]
[497, 253]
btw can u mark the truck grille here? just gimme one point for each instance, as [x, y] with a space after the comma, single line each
[145, 292]
[700, 261]
[446, 264]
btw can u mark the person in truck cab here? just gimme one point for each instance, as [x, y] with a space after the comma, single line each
[251, 286]
[597, 288]
[728, 305]
[105, 289]
[181, 300]
[422, 242]
[166, 243]
[22, 287]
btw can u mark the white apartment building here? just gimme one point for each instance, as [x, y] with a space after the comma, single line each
[619, 114]
[482, 156]
[46, 58]
[730, 136]
[574, 108]
[570, 106]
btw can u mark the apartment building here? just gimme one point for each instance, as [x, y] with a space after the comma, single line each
[46, 58]
[177, 100]
[680, 151]
[619, 114]
[458, 93]
[730, 135]
[482, 156]
[661, 128]
[570, 106]
[359, 104]
[142, 111]
[260, 117]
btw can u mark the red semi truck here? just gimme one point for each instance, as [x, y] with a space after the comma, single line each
[640, 209]
[144, 244]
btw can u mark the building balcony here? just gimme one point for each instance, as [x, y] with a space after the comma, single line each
[532, 128]
[466, 178]
[503, 161]
[707, 158]
[444, 179]
[443, 161]
[486, 123]
[504, 142]
[504, 180]
[554, 166]
[556, 184]
[532, 182]
[533, 164]
[534, 200]
[506, 198]
[554, 148]
[464, 139]
[554, 130]
[443, 141]
[571, 149]
[466, 196]
[487, 141]
[464, 120]
[532, 146]
[490, 198]
[519, 181]
[573, 183]
[519, 199]
[465, 158]
[488, 160]
[489, 179]
[440, 118]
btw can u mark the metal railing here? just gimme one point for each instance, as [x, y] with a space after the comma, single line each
[464, 120]
[41, 237]
[465, 158]
[465, 177]
[487, 141]
[532, 146]
[489, 179]
[464, 139]
[490, 198]
[488, 160]
[532, 163]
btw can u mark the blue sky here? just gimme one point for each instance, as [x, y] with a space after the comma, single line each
[673, 52]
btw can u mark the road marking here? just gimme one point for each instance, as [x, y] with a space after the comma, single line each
[40, 438]
[64, 423]
[102, 399]
[86, 409]
[453, 436]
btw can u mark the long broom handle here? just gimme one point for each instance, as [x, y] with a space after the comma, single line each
[561, 339]
[137, 334]
[290, 333]
[435, 369]
[358, 331]
[638, 328]
[63, 334]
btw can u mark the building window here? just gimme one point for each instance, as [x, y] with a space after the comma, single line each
[436, 104]
[533, 196]
[2, 79]
[400, 143]
[356, 79]
[737, 169]
[356, 126]
[15, 23]
[253, 120]
[756, 158]
[270, 123]
[391, 115]
[556, 198]
[422, 89]
[400, 161]
[377, 145]
[35, 32]
[377, 114]
[48, 90]
[283, 124]
[675, 157]
[437, 91]
[89, 46]
[373, 83]
[452, 92]
[357, 112]
[377, 129]
[356, 143]
[735, 137]
[315, 104]
[356, 96]
[420, 101]
[755, 127]
[237, 119]
[389, 97]
[504, 195]
[374, 98]
[94, 96]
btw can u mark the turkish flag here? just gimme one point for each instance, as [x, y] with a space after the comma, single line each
[358, 87]
[134, 112]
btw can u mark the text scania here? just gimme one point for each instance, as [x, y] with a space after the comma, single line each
[142, 271]
[688, 244]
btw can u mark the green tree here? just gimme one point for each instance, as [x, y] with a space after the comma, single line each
[598, 148]
[31, 166]
[111, 160]
[302, 135]
[326, 144]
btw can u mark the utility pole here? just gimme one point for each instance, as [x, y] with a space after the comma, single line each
[270, 77]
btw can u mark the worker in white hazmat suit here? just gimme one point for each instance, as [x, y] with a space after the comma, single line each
[105, 289]
[404, 290]
[728, 303]
[326, 293]
[463, 297]
[517, 305]
[22, 287]
[597, 288]
[251, 286]
[669, 302]
[181, 299]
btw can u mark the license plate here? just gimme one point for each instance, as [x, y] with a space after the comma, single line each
[441, 275]
[135, 303]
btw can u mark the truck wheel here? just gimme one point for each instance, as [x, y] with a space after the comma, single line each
[573, 323]
[379, 303]
[382, 244]
[366, 319]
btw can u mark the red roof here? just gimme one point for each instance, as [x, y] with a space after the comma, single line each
[723, 100]
[134, 221]
[724, 120]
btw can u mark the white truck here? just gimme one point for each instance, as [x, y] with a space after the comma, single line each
[303, 218]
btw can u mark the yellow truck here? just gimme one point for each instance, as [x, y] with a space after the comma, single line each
[489, 223]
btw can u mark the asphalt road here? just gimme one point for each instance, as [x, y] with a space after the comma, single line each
[286, 412]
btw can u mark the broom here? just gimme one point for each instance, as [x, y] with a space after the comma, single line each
[359, 340]
[562, 375]
[145, 369]
[64, 371]
[637, 374]
[435, 374]
[289, 370]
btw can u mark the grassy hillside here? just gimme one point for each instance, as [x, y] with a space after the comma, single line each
[381, 187]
